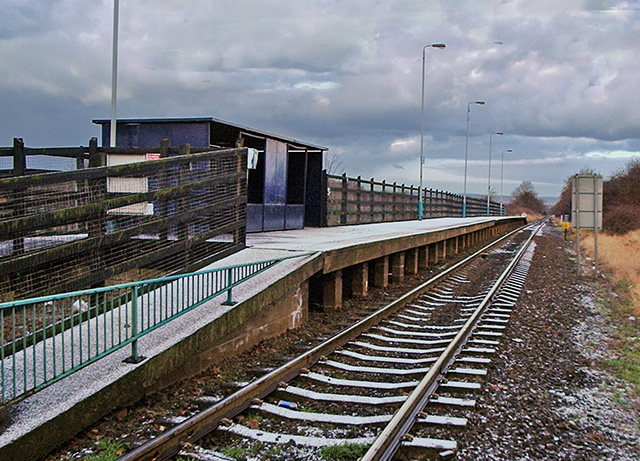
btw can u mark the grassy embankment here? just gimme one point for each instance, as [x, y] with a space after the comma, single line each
[619, 260]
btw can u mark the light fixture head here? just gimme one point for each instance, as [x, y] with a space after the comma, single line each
[499, 133]
[480, 102]
[438, 45]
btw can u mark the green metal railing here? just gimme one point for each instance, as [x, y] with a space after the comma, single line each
[45, 339]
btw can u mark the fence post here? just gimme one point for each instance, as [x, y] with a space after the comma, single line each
[183, 228]
[373, 200]
[394, 203]
[345, 195]
[240, 234]
[229, 301]
[19, 167]
[325, 193]
[163, 181]
[384, 200]
[96, 158]
[412, 205]
[19, 157]
[97, 189]
[135, 358]
[359, 199]
[449, 203]
[403, 202]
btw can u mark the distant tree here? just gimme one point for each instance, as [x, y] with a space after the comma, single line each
[525, 198]
[492, 194]
[563, 206]
[335, 166]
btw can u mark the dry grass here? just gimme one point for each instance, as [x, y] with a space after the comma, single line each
[621, 255]
[619, 259]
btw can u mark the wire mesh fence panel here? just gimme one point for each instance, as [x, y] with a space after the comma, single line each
[64, 231]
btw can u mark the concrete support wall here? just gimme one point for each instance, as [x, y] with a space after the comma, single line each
[332, 286]
[381, 272]
[360, 280]
[411, 261]
[397, 267]
[423, 257]
[433, 253]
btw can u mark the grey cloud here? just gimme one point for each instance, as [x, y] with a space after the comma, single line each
[345, 75]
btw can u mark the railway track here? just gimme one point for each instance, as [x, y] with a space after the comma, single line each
[399, 381]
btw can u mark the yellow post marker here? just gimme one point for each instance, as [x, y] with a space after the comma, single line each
[566, 225]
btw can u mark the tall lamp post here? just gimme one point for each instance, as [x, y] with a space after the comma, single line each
[501, 180]
[420, 202]
[466, 149]
[499, 133]
[114, 75]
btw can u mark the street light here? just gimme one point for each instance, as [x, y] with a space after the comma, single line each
[420, 202]
[466, 149]
[501, 179]
[499, 133]
[114, 75]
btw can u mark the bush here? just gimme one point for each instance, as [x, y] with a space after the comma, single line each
[619, 219]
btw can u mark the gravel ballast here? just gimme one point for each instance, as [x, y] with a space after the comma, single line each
[547, 395]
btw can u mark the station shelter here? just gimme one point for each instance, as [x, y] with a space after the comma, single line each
[284, 187]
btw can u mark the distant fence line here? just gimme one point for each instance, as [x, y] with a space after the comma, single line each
[357, 201]
[174, 209]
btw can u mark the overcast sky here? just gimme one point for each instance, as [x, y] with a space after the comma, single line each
[560, 78]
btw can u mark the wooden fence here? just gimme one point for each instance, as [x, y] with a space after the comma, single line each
[172, 210]
[358, 201]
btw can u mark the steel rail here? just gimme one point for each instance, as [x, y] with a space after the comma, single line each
[169, 443]
[389, 439]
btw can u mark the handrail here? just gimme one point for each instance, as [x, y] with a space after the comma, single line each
[45, 339]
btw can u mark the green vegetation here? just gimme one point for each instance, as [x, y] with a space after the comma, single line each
[255, 416]
[236, 452]
[107, 450]
[626, 343]
[273, 451]
[344, 452]
[255, 449]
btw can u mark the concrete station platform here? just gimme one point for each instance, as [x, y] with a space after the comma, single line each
[340, 261]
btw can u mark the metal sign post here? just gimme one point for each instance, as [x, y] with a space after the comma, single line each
[586, 208]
